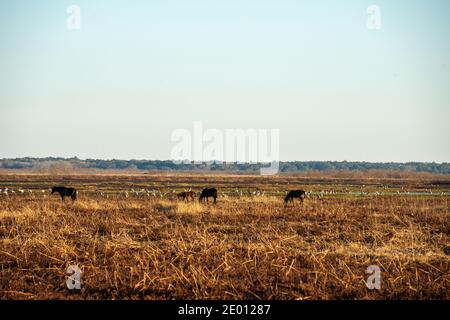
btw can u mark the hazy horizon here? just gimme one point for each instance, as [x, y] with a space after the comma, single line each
[136, 71]
[219, 161]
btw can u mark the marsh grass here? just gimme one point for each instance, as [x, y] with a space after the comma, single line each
[242, 248]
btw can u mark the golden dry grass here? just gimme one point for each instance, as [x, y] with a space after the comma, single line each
[142, 246]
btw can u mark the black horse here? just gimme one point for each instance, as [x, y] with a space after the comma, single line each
[207, 193]
[65, 192]
[299, 194]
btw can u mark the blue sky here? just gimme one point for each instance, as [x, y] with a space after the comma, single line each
[138, 70]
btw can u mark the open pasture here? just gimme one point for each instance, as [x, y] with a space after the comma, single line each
[134, 239]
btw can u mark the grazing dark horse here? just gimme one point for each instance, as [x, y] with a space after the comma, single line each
[207, 193]
[300, 194]
[189, 195]
[65, 192]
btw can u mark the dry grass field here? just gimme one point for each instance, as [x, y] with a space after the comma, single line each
[133, 239]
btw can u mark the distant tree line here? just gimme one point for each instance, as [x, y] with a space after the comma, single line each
[52, 164]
